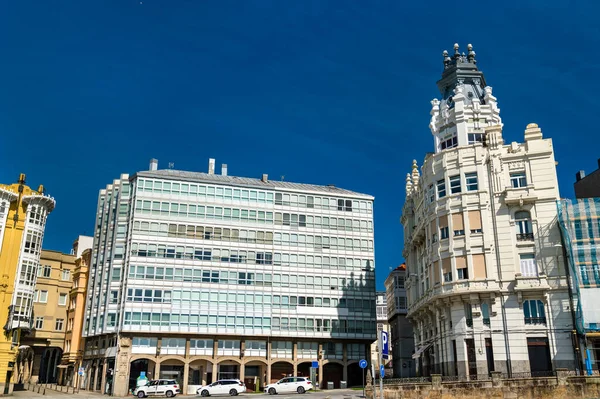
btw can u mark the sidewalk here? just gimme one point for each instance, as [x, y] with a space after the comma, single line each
[51, 394]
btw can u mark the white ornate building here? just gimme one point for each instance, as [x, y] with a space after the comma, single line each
[486, 286]
[201, 276]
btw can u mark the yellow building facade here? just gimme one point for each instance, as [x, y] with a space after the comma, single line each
[23, 213]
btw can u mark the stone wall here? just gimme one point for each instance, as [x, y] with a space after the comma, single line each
[563, 386]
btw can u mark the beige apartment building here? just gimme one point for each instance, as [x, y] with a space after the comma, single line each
[485, 277]
[74, 343]
[49, 315]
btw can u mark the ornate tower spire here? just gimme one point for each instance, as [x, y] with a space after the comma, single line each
[467, 105]
[409, 185]
[415, 174]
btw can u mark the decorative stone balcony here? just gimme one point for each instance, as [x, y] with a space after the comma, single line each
[525, 237]
[529, 283]
[454, 288]
[520, 195]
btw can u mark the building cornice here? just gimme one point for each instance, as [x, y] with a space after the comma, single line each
[8, 195]
[39, 199]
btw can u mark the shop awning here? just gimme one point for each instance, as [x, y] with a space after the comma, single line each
[421, 350]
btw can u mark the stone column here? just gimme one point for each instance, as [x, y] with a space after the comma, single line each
[496, 378]
[320, 379]
[294, 351]
[122, 366]
[104, 366]
[345, 372]
[562, 375]
[156, 371]
[215, 361]
[242, 371]
[214, 371]
[319, 358]
[295, 365]
[436, 381]
[93, 388]
[186, 375]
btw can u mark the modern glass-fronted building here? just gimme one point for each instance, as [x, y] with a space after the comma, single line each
[200, 276]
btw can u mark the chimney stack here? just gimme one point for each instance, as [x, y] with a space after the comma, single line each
[224, 169]
[265, 178]
[154, 164]
[211, 166]
[580, 175]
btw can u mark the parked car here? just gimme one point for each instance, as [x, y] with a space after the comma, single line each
[168, 388]
[290, 384]
[222, 387]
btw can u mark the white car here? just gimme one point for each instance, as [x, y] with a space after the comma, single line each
[290, 384]
[168, 388]
[222, 387]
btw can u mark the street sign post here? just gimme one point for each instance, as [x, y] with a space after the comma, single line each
[384, 350]
[81, 371]
[385, 345]
[314, 366]
[363, 366]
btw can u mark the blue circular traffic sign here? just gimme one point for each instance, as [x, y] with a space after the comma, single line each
[363, 364]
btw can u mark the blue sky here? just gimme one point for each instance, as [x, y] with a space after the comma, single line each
[324, 92]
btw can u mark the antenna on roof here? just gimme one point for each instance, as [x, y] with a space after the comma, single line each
[171, 165]
[282, 177]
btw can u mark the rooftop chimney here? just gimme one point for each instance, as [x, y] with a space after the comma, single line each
[211, 166]
[265, 178]
[154, 164]
[224, 169]
[580, 175]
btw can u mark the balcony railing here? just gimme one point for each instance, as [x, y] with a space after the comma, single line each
[535, 320]
[525, 237]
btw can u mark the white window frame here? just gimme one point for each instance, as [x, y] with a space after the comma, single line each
[65, 275]
[41, 296]
[441, 188]
[454, 187]
[471, 181]
[518, 179]
[528, 265]
[62, 299]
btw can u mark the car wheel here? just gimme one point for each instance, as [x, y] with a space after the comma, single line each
[232, 392]
[205, 393]
[141, 395]
[169, 394]
[272, 391]
[300, 390]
